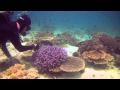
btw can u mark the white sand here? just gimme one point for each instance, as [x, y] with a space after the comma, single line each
[70, 49]
[91, 73]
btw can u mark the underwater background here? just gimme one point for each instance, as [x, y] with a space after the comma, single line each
[90, 39]
[76, 20]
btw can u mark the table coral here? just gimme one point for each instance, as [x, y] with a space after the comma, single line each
[73, 64]
[97, 57]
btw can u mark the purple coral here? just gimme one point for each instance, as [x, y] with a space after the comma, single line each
[48, 57]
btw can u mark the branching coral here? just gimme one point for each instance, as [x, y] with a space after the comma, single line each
[108, 41]
[48, 57]
[100, 41]
[89, 45]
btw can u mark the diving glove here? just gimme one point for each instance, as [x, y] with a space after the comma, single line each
[42, 43]
[35, 47]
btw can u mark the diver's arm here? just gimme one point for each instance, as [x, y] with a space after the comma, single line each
[22, 48]
[15, 40]
[5, 50]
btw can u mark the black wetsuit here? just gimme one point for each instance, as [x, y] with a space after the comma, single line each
[9, 31]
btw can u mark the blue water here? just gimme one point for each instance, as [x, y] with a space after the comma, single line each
[103, 21]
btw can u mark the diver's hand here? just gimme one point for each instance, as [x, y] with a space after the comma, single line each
[35, 47]
[42, 43]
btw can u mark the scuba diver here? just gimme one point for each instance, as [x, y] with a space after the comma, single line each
[10, 30]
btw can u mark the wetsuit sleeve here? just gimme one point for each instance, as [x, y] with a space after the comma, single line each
[15, 40]
[5, 50]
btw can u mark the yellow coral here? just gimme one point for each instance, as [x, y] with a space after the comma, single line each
[13, 76]
[19, 66]
[18, 72]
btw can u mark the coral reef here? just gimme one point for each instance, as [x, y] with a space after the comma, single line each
[89, 45]
[117, 38]
[66, 37]
[117, 58]
[108, 41]
[44, 36]
[100, 41]
[57, 69]
[59, 39]
[18, 71]
[48, 57]
[73, 64]
[97, 57]
[94, 55]
[76, 54]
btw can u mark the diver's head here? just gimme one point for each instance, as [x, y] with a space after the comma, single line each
[24, 22]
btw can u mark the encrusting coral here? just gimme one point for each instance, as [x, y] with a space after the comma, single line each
[18, 71]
